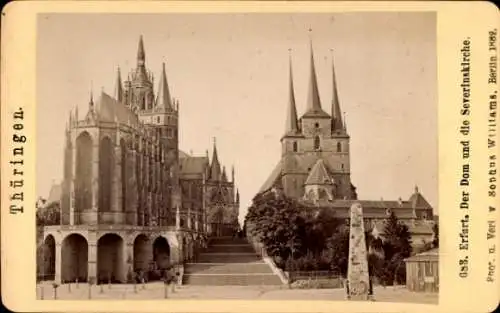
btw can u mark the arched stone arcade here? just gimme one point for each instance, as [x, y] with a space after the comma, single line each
[49, 258]
[161, 253]
[110, 258]
[74, 258]
[143, 254]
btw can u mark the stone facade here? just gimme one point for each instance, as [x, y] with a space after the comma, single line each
[315, 166]
[130, 202]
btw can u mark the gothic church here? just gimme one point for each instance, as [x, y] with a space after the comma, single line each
[315, 168]
[130, 201]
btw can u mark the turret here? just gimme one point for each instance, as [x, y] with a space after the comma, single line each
[118, 87]
[215, 170]
[337, 124]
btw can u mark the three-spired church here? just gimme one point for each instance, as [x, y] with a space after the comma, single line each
[315, 167]
[130, 201]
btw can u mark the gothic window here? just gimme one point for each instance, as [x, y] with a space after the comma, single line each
[106, 163]
[339, 147]
[342, 165]
[316, 125]
[158, 120]
[83, 177]
[295, 146]
[316, 143]
[124, 178]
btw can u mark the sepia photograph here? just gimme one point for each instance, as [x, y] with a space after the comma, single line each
[283, 156]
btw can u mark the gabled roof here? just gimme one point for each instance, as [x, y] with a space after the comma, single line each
[319, 175]
[431, 255]
[418, 201]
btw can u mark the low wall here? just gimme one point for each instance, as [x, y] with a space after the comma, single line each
[261, 251]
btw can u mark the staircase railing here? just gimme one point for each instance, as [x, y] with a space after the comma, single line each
[261, 251]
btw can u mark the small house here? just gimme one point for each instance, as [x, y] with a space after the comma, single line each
[422, 271]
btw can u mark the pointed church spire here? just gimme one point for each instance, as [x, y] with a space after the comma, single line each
[232, 173]
[215, 166]
[163, 99]
[224, 175]
[313, 100]
[118, 87]
[91, 100]
[237, 196]
[292, 125]
[141, 55]
[336, 114]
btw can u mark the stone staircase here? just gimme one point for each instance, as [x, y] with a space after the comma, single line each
[229, 261]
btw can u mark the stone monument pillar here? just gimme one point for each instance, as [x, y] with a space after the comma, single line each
[357, 271]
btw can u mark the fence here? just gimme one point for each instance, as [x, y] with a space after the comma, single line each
[312, 275]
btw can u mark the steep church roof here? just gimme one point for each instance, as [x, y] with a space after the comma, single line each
[272, 179]
[313, 100]
[118, 86]
[163, 99]
[110, 110]
[193, 165]
[215, 170]
[292, 124]
[418, 201]
[336, 113]
[319, 174]
[54, 194]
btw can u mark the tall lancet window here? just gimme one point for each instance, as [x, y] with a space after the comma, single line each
[295, 146]
[316, 143]
[339, 147]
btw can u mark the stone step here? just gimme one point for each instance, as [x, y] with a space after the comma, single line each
[232, 280]
[227, 258]
[230, 248]
[227, 241]
[227, 268]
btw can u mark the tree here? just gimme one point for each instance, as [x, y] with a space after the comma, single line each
[338, 251]
[275, 220]
[435, 241]
[396, 248]
[49, 214]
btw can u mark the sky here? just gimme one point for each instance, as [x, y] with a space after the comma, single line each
[230, 74]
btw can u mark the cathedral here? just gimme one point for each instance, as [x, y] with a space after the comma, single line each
[130, 201]
[315, 168]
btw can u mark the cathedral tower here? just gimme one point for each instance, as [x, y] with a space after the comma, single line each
[317, 135]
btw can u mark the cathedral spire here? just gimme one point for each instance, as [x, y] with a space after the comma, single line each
[336, 114]
[313, 101]
[215, 166]
[163, 99]
[119, 86]
[292, 125]
[91, 101]
[232, 173]
[141, 55]
[224, 175]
